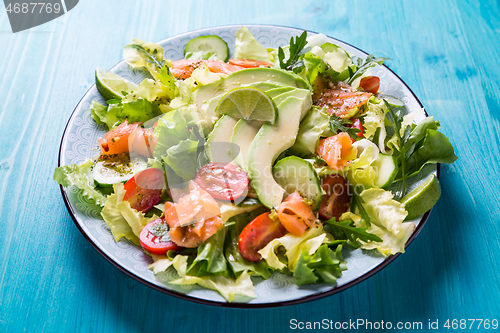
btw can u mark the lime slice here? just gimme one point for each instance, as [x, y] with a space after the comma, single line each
[422, 198]
[248, 103]
[111, 85]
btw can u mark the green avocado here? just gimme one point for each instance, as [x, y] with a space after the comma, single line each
[271, 141]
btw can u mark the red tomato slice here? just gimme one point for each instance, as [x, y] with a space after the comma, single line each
[249, 63]
[370, 84]
[155, 244]
[258, 234]
[222, 181]
[336, 199]
[143, 191]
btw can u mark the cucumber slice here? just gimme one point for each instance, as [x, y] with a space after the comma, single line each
[212, 44]
[294, 174]
[393, 101]
[108, 173]
[386, 167]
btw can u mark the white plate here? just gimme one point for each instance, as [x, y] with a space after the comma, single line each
[80, 142]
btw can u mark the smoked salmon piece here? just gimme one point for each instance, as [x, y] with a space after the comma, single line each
[295, 215]
[338, 97]
[182, 69]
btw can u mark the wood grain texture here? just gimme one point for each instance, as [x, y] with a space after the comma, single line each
[52, 280]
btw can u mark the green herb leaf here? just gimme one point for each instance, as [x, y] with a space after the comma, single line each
[339, 124]
[351, 233]
[296, 50]
[357, 202]
[369, 62]
[396, 118]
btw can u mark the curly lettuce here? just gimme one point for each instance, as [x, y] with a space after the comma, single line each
[310, 241]
[386, 221]
[81, 177]
[229, 288]
[123, 220]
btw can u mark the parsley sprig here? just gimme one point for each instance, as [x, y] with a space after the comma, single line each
[363, 66]
[296, 50]
[339, 124]
[396, 118]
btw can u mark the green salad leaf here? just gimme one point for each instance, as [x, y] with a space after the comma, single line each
[81, 177]
[230, 289]
[210, 259]
[311, 128]
[247, 47]
[363, 66]
[325, 265]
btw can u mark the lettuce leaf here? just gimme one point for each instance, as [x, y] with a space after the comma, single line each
[210, 259]
[177, 145]
[81, 177]
[123, 220]
[98, 112]
[375, 119]
[247, 47]
[140, 54]
[140, 110]
[310, 241]
[386, 221]
[325, 265]
[361, 171]
[311, 128]
[160, 263]
[182, 158]
[229, 288]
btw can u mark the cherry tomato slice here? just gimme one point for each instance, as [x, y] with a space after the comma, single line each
[143, 191]
[155, 244]
[336, 200]
[222, 181]
[250, 63]
[370, 84]
[258, 234]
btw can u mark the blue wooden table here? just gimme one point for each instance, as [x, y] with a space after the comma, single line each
[52, 280]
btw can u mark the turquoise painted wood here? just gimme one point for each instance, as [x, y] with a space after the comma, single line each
[52, 280]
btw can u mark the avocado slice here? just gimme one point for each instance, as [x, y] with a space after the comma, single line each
[243, 135]
[271, 141]
[219, 140]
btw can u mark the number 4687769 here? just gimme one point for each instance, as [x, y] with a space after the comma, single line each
[33, 7]
[471, 324]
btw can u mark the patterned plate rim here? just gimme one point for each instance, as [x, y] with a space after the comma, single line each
[177, 294]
